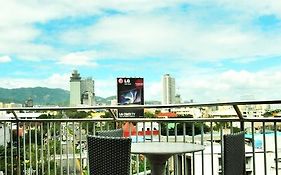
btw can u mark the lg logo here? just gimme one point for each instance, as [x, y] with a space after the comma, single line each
[126, 81]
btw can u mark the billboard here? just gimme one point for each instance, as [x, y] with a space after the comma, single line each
[130, 91]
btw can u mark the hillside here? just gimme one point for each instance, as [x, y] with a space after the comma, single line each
[39, 95]
[42, 96]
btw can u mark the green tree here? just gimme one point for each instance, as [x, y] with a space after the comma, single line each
[149, 115]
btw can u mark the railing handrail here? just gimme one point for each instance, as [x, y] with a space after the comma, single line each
[234, 104]
[109, 107]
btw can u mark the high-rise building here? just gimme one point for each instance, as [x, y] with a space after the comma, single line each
[75, 92]
[81, 90]
[87, 91]
[168, 89]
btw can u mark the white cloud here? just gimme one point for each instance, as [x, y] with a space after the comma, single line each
[232, 85]
[175, 37]
[141, 31]
[105, 87]
[253, 9]
[54, 81]
[79, 59]
[58, 81]
[5, 59]
[152, 91]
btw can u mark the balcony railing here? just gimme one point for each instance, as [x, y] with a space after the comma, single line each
[58, 145]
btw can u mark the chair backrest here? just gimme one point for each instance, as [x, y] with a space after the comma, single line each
[111, 133]
[234, 154]
[109, 155]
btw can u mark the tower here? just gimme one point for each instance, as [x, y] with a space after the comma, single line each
[87, 92]
[168, 89]
[75, 89]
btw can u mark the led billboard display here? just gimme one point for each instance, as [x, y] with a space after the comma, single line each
[130, 91]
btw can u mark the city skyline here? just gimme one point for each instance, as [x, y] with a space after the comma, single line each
[215, 50]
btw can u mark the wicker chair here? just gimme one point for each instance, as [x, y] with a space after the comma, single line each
[109, 155]
[111, 133]
[234, 154]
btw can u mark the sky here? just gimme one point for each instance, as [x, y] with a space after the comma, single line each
[219, 50]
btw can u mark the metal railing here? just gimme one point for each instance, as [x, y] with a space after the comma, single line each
[58, 145]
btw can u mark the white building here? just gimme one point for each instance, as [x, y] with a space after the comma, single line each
[81, 90]
[87, 91]
[168, 89]
[75, 92]
[195, 112]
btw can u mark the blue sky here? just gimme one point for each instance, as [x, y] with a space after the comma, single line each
[216, 50]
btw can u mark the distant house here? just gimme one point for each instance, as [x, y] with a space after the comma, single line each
[167, 115]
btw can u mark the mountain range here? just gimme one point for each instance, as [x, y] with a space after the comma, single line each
[42, 96]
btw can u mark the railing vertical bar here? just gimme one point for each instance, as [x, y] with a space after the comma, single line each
[222, 157]
[80, 151]
[61, 151]
[73, 147]
[24, 152]
[167, 132]
[276, 149]
[160, 128]
[212, 148]
[175, 157]
[87, 133]
[130, 129]
[18, 148]
[138, 164]
[107, 126]
[253, 147]
[184, 155]
[193, 155]
[144, 129]
[137, 132]
[137, 158]
[12, 148]
[264, 148]
[176, 131]
[36, 149]
[202, 143]
[151, 130]
[17, 135]
[5, 147]
[55, 147]
[30, 149]
[42, 147]
[167, 140]
[48, 148]
[94, 127]
[144, 160]
[67, 147]
[184, 131]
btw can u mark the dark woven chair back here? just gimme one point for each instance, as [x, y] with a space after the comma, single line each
[234, 154]
[109, 155]
[111, 133]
